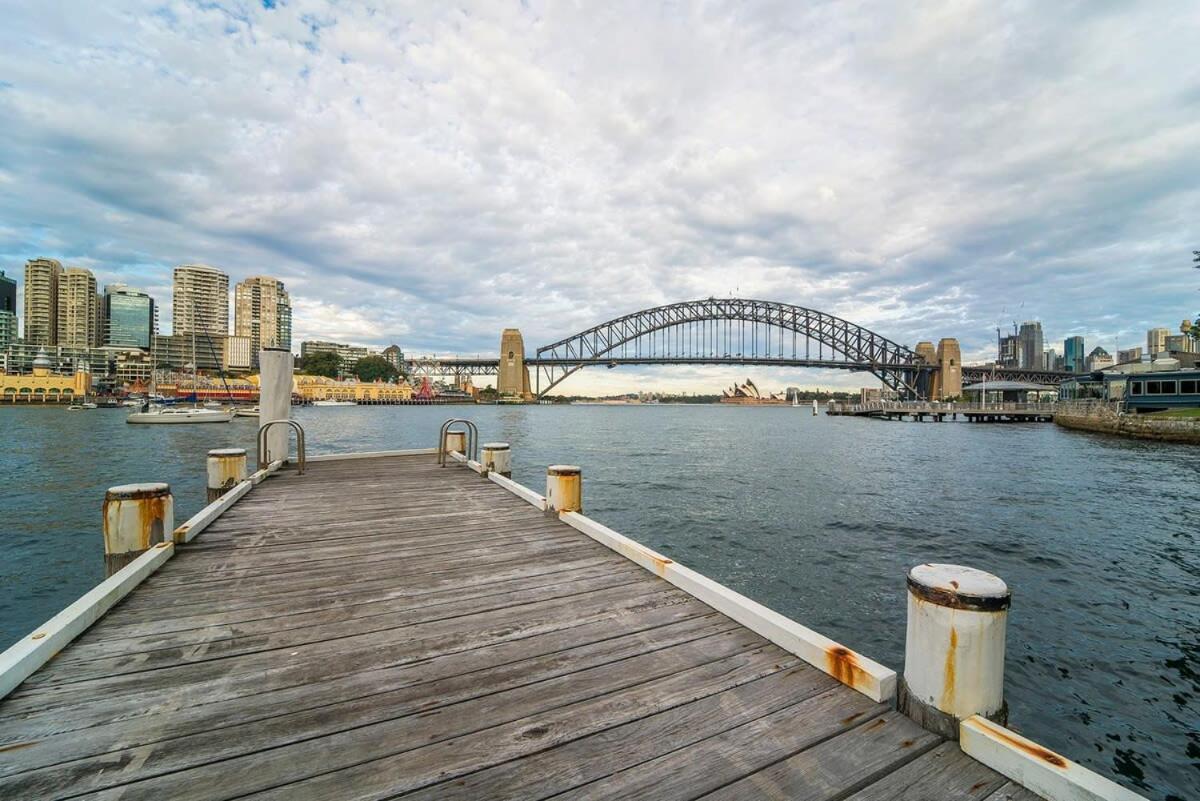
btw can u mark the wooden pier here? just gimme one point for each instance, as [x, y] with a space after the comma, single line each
[940, 411]
[384, 627]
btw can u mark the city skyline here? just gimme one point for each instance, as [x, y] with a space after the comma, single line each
[809, 156]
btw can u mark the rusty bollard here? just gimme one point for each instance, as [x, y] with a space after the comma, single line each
[497, 458]
[564, 488]
[136, 517]
[226, 469]
[954, 647]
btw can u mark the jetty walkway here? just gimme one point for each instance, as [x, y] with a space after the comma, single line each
[385, 627]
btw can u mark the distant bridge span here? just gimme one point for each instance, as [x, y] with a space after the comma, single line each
[731, 331]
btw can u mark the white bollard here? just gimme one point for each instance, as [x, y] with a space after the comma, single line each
[275, 400]
[136, 517]
[496, 458]
[456, 441]
[564, 488]
[226, 469]
[954, 647]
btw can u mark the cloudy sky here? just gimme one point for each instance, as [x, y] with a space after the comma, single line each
[429, 175]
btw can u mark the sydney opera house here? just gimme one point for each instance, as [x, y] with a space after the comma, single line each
[749, 394]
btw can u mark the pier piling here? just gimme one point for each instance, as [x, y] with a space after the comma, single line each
[497, 458]
[954, 648]
[226, 469]
[275, 400]
[564, 488]
[136, 516]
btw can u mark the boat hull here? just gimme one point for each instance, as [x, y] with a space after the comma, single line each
[179, 418]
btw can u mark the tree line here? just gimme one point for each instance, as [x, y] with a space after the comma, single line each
[330, 365]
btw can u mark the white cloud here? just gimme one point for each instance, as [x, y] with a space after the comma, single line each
[432, 174]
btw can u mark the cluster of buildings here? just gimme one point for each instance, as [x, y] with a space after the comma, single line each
[69, 322]
[1024, 348]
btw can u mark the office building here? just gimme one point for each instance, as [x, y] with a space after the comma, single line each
[200, 301]
[8, 311]
[262, 312]
[130, 317]
[1129, 355]
[1156, 340]
[41, 301]
[1050, 360]
[1074, 355]
[1032, 346]
[349, 354]
[77, 315]
[1098, 359]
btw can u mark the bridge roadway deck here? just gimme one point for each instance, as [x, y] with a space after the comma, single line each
[383, 627]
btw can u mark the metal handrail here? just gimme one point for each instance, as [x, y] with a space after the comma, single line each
[262, 442]
[472, 433]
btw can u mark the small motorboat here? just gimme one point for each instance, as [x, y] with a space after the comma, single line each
[251, 412]
[334, 403]
[180, 416]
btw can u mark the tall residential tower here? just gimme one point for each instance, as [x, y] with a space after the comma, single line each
[77, 309]
[41, 301]
[200, 302]
[262, 311]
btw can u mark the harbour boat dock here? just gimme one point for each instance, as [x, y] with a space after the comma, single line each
[417, 625]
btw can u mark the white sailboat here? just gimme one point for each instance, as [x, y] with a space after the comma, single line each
[161, 416]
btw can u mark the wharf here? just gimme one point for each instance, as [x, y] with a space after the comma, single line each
[939, 411]
[383, 627]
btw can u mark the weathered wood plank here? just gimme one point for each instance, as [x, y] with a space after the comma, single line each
[831, 769]
[650, 757]
[474, 746]
[943, 773]
[136, 762]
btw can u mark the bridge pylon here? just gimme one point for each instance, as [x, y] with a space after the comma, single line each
[512, 380]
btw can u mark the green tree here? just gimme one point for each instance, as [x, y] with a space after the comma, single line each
[326, 364]
[374, 368]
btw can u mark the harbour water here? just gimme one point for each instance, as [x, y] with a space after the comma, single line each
[816, 517]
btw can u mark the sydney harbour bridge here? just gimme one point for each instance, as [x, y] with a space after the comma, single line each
[723, 331]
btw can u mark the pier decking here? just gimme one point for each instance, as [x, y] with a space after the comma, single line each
[381, 628]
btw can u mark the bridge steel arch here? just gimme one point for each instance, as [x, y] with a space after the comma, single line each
[859, 349]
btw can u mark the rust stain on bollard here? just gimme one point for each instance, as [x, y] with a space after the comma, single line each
[948, 684]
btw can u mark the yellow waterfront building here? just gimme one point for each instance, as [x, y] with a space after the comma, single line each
[43, 385]
[317, 388]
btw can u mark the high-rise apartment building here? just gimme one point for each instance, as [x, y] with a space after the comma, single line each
[1178, 343]
[77, 315]
[41, 301]
[130, 318]
[262, 311]
[200, 301]
[1031, 345]
[8, 311]
[1074, 355]
[1156, 340]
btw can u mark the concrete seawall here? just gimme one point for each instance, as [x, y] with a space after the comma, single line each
[1106, 419]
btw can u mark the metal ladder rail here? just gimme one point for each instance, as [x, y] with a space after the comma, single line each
[472, 433]
[262, 442]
